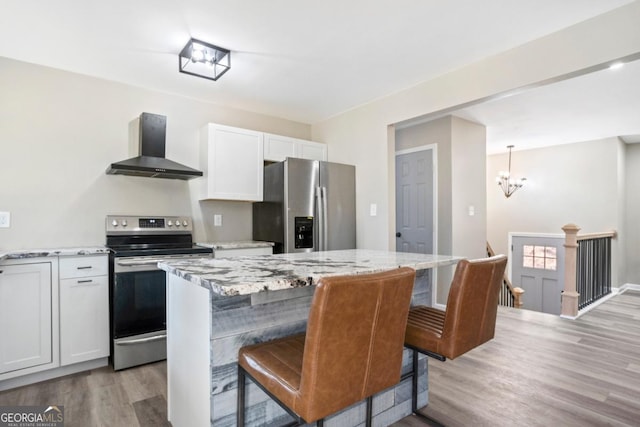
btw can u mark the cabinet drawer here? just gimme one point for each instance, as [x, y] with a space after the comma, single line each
[83, 266]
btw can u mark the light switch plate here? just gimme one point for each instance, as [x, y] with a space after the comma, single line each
[373, 209]
[217, 220]
[5, 219]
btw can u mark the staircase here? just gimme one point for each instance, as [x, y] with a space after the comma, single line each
[510, 296]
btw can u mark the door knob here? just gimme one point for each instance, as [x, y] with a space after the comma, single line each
[398, 234]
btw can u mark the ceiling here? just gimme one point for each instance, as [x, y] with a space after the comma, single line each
[302, 60]
[598, 105]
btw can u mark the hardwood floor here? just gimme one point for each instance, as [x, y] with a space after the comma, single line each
[540, 370]
[101, 397]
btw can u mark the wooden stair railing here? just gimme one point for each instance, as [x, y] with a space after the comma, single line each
[510, 296]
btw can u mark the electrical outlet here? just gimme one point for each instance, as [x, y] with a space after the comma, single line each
[217, 220]
[5, 219]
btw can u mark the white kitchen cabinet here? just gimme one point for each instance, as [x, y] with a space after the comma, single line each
[84, 308]
[26, 316]
[312, 150]
[232, 162]
[278, 147]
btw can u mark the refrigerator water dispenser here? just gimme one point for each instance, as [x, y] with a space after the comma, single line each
[303, 232]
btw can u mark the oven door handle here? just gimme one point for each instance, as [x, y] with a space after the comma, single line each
[143, 340]
[133, 263]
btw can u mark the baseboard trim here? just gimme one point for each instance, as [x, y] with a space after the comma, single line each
[614, 292]
[629, 286]
[37, 377]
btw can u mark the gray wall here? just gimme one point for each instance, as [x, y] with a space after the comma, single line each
[58, 133]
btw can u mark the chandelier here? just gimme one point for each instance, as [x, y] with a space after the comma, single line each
[506, 182]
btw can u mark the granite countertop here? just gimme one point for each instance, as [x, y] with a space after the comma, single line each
[241, 244]
[247, 275]
[37, 253]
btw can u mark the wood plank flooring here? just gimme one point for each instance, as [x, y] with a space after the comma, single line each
[101, 397]
[540, 370]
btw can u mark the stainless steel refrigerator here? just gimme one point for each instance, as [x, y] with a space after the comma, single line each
[308, 206]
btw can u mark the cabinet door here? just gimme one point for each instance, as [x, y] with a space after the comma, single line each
[25, 316]
[277, 148]
[234, 163]
[84, 319]
[312, 150]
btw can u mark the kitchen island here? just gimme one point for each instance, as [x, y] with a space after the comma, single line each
[216, 306]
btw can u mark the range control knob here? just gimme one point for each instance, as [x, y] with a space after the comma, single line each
[124, 222]
[170, 223]
[177, 223]
[185, 223]
[114, 223]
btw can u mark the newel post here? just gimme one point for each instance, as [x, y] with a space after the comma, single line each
[517, 297]
[570, 294]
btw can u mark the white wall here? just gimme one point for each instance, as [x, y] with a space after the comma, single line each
[632, 209]
[360, 136]
[58, 133]
[469, 232]
[573, 183]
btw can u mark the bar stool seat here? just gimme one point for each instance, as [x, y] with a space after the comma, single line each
[352, 348]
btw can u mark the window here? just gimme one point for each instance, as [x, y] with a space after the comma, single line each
[540, 257]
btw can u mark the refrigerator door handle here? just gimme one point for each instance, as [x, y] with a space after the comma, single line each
[325, 228]
[319, 223]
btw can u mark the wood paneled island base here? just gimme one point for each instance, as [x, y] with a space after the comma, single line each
[216, 306]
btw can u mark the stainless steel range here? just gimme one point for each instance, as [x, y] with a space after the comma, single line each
[138, 287]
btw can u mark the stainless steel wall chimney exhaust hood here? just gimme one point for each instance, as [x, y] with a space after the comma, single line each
[151, 161]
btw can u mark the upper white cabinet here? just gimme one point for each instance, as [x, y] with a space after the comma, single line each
[84, 308]
[26, 327]
[278, 147]
[232, 162]
[312, 150]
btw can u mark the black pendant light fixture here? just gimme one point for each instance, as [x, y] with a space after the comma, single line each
[204, 60]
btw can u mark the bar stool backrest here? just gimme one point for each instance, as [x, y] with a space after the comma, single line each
[354, 340]
[472, 305]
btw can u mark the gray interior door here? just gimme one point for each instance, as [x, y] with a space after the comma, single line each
[537, 266]
[414, 202]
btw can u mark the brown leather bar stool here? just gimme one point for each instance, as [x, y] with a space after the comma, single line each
[352, 348]
[469, 319]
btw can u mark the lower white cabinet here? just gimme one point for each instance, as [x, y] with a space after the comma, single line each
[84, 308]
[26, 325]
